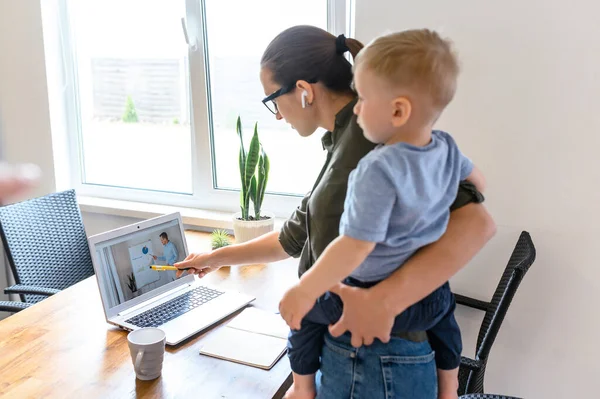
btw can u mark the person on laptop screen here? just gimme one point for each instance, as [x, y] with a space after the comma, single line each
[170, 253]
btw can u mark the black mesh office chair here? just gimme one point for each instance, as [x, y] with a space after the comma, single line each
[12, 306]
[472, 371]
[486, 396]
[46, 246]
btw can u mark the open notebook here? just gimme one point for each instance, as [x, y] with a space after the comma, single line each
[255, 337]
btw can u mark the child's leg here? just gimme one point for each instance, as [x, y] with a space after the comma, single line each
[446, 341]
[435, 314]
[448, 384]
[304, 350]
[303, 387]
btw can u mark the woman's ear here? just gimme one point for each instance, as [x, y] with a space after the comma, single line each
[302, 86]
[402, 109]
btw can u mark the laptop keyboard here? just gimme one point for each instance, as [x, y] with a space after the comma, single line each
[174, 308]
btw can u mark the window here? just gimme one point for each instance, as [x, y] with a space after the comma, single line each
[152, 118]
[131, 86]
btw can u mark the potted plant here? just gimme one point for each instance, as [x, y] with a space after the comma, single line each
[132, 284]
[254, 174]
[218, 239]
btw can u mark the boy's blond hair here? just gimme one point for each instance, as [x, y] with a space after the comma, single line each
[414, 58]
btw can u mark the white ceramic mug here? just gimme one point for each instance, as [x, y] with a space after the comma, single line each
[147, 347]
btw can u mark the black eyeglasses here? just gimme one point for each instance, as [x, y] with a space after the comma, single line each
[269, 101]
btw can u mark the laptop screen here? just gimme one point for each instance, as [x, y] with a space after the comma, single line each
[125, 261]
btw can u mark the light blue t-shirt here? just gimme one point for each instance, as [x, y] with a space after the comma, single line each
[169, 253]
[399, 197]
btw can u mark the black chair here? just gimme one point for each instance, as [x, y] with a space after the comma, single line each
[46, 246]
[486, 396]
[12, 306]
[472, 371]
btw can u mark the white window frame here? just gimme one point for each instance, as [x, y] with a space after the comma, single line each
[205, 195]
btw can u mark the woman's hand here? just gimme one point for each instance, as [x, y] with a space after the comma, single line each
[364, 316]
[198, 264]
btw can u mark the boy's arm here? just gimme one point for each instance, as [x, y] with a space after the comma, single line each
[369, 202]
[339, 259]
[477, 178]
[370, 198]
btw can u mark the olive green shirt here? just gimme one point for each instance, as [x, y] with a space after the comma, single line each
[315, 223]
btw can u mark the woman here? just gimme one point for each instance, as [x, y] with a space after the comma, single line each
[307, 81]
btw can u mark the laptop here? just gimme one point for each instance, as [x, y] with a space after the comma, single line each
[135, 296]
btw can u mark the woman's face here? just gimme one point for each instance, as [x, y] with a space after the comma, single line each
[289, 106]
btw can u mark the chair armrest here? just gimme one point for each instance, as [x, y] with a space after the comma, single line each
[470, 363]
[30, 289]
[471, 302]
[13, 306]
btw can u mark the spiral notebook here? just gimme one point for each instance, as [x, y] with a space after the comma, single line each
[255, 338]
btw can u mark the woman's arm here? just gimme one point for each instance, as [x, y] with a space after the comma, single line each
[469, 229]
[271, 247]
[264, 249]
[370, 313]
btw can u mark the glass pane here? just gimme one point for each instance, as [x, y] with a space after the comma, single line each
[236, 41]
[133, 93]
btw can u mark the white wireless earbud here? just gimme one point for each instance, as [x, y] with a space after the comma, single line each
[303, 98]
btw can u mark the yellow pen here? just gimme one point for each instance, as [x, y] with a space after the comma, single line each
[162, 268]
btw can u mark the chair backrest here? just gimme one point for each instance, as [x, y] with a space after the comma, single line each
[521, 259]
[45, 242]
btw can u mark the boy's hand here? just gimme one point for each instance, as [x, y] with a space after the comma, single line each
[294, 305]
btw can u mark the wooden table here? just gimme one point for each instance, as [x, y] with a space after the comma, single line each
[63, 347]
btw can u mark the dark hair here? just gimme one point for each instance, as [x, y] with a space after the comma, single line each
[309, 53]
[164, 235]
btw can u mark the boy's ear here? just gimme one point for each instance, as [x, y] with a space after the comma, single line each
[401, 110]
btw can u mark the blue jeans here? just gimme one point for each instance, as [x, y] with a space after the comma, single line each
[398, 369]
[434, 314]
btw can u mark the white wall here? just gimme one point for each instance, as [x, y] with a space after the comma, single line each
[24, 111]
[24, 117]
[525, 113]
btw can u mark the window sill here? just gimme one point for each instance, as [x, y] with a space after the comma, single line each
[200, 219]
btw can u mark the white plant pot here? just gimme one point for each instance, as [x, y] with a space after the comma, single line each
[246, 230]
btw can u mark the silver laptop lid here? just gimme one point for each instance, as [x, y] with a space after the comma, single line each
[122, 257]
